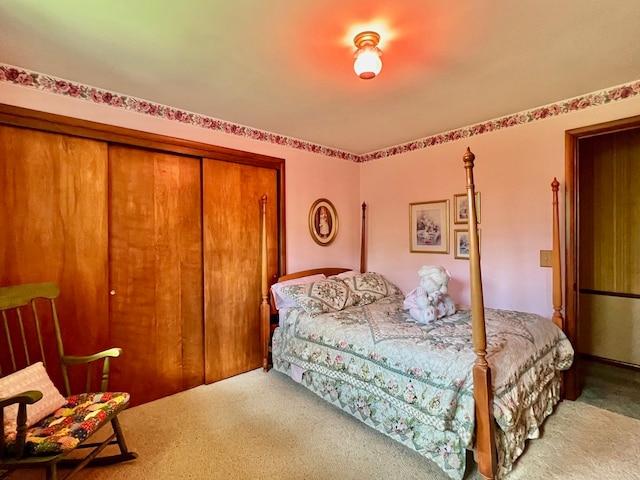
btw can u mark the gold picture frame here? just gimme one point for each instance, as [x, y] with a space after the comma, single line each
[461, 209]
[461, 243]
[323, 222]
[429, 227]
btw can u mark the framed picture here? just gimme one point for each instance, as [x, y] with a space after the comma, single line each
[429, 227]
[323, 222]
[461, 208]
[461, 243]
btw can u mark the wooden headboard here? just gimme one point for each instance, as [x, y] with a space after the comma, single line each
[314, 271]
[267, 306]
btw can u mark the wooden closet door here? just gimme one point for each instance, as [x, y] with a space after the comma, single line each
[155, 262]
[232, 263]
[53, 212]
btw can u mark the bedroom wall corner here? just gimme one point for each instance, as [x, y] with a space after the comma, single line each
[513, 172]
[309, 178]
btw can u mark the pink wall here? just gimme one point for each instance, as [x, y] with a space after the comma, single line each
[513, 171]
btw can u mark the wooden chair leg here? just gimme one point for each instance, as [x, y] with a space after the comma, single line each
[115, 424]
[52, 472]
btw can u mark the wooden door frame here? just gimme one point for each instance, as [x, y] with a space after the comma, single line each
[572, 380]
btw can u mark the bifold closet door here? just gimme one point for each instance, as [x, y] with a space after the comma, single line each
[232, 263]
[53, 212]
[155, 263]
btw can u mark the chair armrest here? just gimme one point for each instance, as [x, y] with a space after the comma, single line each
[105, 355]
[75, 359]
[29, 397]
[22, 399]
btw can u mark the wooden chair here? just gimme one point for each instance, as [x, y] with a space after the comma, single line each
[25, 337]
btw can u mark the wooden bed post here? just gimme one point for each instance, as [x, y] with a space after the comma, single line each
[482, 387]
[556, 261]
[265, 307]
[363, 261]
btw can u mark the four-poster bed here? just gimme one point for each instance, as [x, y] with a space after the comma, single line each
[440, 389]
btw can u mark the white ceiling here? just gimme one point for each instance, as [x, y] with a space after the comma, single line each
[286, 66]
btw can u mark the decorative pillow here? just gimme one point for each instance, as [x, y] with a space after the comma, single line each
[330, 295]
[284, 301]
[33, 377]
[369, 287]
[347, 274]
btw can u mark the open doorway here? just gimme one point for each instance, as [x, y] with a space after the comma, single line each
[603, 258]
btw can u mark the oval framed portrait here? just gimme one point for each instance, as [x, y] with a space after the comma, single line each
[323, 222]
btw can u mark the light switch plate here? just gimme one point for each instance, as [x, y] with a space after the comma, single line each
[545, 258]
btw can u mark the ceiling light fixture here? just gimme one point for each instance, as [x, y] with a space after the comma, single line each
[367, 64]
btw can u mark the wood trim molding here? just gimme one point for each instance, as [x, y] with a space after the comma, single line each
[572, 382]
[49, 122]
[608, 361]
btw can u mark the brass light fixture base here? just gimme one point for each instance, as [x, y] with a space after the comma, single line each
[366, 38]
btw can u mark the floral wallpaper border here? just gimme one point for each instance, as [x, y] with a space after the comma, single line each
[59, 86]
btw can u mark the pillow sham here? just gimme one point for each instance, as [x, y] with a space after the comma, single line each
[33, 377]
[329, 295]
[369, 287]
[281, 299]
[348, 273]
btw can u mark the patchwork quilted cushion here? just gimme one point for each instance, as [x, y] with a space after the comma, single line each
[368, 287]
[330, 295]
[72, 423]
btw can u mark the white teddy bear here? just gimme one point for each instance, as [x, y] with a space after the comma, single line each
[429, 300]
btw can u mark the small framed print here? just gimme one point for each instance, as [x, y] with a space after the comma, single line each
[429, 227]
[461, 208]
[323, 222]
[461, 243]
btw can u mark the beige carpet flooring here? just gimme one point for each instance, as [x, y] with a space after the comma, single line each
[264, 426]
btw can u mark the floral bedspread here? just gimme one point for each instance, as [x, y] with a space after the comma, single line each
[414, 382]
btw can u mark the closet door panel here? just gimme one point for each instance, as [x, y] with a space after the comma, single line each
[232, 263]
[53, 212]
[155, 271]
[609, 246]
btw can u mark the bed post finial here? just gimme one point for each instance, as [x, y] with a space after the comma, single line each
[468, 158]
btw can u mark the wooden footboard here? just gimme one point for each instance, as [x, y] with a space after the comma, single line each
[482, 391]
[486, 453]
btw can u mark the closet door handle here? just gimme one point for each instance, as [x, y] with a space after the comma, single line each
[112, 292]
